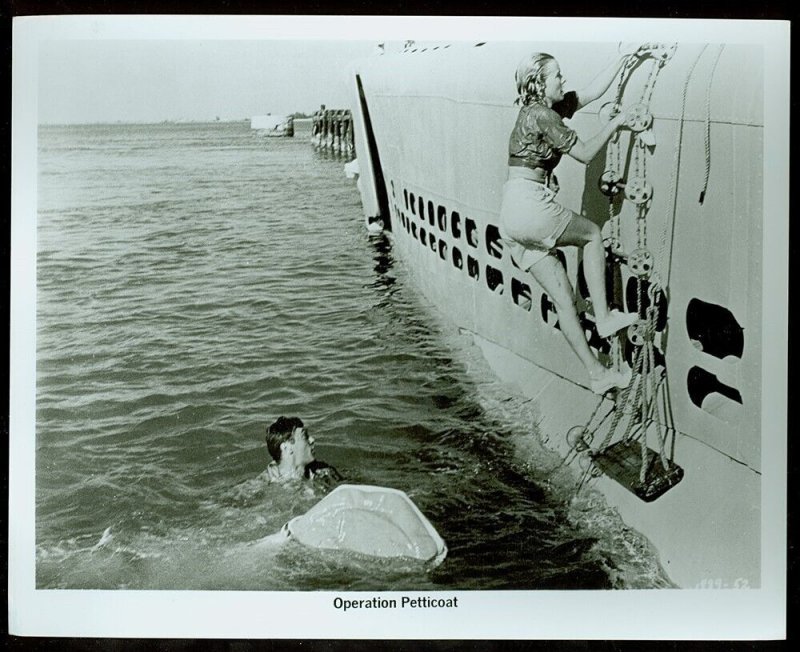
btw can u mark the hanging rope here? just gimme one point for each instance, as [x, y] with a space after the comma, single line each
[670, 224]
[622, 404]
[708, 124]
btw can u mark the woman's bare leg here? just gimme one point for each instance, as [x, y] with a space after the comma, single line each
[581, 232]
[551, 275]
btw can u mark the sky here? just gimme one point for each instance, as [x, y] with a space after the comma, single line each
[89, 81]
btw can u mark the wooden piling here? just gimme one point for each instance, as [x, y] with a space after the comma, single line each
[332, 131]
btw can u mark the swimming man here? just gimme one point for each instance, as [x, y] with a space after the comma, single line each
[292, 451]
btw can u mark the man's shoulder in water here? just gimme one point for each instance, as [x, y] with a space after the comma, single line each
[321, 470]
[322, 473]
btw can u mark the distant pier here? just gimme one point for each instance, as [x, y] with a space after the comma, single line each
[332, 131]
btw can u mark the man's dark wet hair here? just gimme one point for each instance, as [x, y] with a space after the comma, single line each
[279, 432]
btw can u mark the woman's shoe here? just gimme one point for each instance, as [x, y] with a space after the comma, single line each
[615, 321]
[611, 379]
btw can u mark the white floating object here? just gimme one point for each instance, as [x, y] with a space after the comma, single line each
[351, 169]
[375, 226]
[376, 521]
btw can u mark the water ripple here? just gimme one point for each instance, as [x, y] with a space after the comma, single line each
[194, 283]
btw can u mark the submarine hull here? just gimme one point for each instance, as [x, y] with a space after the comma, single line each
[431, 135]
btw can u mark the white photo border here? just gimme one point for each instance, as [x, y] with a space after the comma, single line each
[655, 614]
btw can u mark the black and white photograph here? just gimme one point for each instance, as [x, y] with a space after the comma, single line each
[442, 329]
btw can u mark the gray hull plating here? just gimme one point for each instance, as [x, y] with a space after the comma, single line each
[431, 130]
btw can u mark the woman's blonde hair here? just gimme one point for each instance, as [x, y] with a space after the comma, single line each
[530, 78]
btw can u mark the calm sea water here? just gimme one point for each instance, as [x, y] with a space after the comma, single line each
[197, 281]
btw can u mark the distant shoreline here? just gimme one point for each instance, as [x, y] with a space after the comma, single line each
[122, 123]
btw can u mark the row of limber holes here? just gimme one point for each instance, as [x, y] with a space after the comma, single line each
[520, 292]
[437, 216]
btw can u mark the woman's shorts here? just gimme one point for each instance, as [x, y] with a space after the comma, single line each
[531, 220]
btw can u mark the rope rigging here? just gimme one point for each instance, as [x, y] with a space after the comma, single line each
[643, 406]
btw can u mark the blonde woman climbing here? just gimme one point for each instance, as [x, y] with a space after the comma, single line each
[534, 223]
